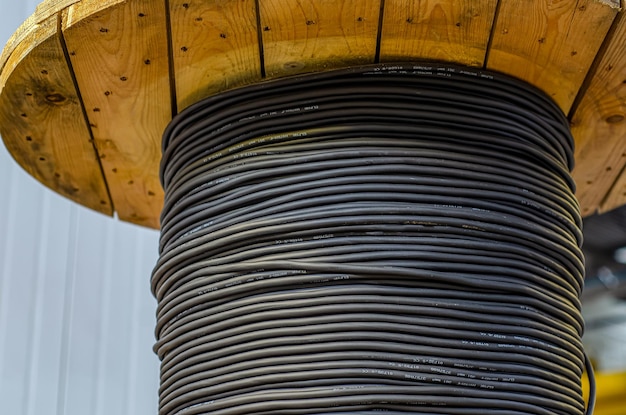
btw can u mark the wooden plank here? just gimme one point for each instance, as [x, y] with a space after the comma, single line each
[215, 47]
[599, 127]
[49, 7]
[550, 44]
[306, 35]
[121, 61]
[42, 123]
[120, 55]
[42, 13]
[615, 195]
[445, 30]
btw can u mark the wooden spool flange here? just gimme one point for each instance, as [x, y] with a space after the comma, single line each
[87, 87]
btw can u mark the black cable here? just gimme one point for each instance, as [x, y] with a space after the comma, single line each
[398, 238]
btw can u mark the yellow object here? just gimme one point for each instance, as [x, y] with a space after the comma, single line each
[611, 393]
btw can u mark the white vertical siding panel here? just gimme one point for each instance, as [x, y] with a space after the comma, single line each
[145, 375]
[120, 332]
[64, 325]
[76, 313]
[84, 316]
[35, 323]
[129, 367]
[106, 361]
[6, 177]
[48, 323]
[7, 211]
[18, 290]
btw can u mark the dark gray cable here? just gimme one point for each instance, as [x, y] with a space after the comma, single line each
[398, 238]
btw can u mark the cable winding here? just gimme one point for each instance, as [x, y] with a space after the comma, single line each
[399, 238]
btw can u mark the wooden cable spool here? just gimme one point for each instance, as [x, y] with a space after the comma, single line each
[87, 87]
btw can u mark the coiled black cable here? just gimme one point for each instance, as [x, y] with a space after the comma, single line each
[399, 238]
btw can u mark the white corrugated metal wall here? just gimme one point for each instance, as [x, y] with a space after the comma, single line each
[76, 313]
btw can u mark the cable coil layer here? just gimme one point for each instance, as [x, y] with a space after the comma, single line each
[396, 238]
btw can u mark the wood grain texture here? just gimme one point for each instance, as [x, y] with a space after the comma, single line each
[599, 128]
[43, 13]
[48, 8]
[120, 58]
[215, 47]
[550, 44]
[307, 36]
[444, 30]
[42, 123]
[119, 53]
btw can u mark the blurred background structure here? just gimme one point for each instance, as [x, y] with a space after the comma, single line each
[604, 298]
[76, 313]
